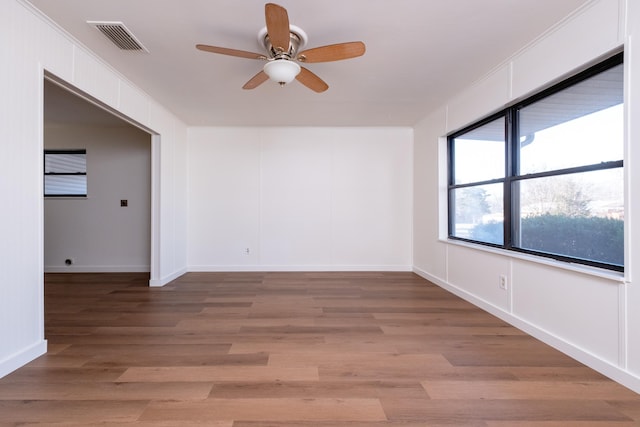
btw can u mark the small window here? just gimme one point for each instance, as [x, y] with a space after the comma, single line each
[65, 173]
[545, 176]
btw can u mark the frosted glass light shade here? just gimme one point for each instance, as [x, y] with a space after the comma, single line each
[282, 71]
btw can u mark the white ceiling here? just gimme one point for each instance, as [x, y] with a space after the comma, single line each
[419, 53]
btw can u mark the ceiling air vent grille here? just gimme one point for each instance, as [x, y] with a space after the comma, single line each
[119, 35]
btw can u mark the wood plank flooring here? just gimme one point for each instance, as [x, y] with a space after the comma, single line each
[294, 349]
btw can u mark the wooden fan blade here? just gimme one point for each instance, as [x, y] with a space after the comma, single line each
[230, 52]
[277, 26]
[256, 80]
[311, 80]
[334, 52]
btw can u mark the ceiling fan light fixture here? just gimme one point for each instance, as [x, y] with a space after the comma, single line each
[282, 43]
[282, 71]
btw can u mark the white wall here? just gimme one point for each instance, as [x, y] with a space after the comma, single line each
[29, 45]
[300, 198]
[96, 232]
[595, 318]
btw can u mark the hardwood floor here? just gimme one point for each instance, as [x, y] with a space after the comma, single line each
[294, 349]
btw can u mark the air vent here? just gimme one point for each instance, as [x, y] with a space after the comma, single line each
[118, 34]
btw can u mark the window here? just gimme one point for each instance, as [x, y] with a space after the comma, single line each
[545, 176]
[65, 173]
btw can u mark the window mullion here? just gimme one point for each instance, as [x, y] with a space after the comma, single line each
[510, 170]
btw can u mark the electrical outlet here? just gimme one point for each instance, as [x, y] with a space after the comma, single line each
[503, 282]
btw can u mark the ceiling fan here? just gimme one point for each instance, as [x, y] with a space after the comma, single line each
[282, 43]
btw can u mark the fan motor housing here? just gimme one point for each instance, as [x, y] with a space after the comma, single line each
[297, 37]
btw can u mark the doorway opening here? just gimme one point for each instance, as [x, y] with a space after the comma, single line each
[110, 229]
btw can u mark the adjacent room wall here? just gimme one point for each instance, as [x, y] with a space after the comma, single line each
[95, 232]
[300, 198]
[590, 315]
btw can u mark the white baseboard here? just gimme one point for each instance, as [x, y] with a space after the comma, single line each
[284, 268]
[164, 280]
[23, 357]
[97, 269]
[616, 373]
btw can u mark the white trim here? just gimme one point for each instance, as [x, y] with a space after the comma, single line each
[156, 151]
[616, 373]
[97, 269]
[307, 268]
[627, 168]
[164, 280]
[40, 255]
[20, 359]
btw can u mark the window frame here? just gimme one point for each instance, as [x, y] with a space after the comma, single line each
[45, 173]
[511, 214]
